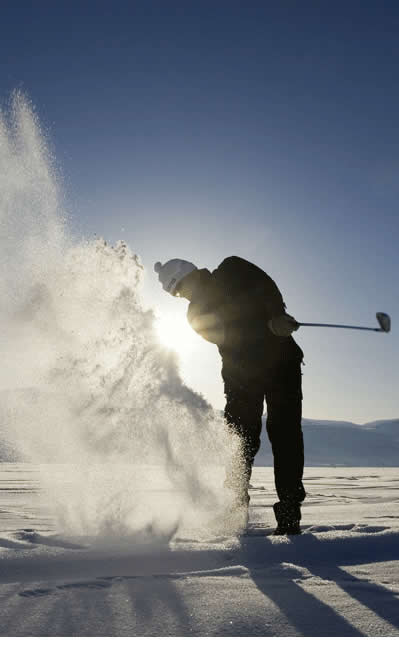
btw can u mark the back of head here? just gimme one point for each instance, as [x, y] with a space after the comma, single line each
[172, 272]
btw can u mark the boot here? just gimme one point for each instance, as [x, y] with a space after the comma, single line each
[288, 516]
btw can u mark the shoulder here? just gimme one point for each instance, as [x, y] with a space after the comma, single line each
[239, 276]
[238, 268]
[232, 261]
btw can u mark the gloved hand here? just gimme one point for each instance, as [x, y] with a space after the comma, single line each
[283, 325]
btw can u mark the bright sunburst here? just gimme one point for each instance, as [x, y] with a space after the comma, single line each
[175, 332]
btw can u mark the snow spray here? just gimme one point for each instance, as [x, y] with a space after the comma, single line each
[87, 391]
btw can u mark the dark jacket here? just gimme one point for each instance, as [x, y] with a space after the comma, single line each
[240, 298]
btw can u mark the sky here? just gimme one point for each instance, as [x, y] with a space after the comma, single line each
[266, 130]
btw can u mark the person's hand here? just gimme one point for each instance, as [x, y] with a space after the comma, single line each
[283, 325]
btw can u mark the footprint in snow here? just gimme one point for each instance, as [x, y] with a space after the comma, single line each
[31, 536]
[40, 591]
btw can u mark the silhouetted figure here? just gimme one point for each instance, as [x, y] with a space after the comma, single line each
[240, 309]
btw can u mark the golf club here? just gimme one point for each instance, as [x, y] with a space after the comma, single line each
[383, 319]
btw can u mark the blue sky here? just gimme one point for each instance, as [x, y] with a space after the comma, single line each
[262, 129]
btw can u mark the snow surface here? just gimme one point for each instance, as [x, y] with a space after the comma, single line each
[340, 578]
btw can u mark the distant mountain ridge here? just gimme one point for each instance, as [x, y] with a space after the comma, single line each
[374, 444]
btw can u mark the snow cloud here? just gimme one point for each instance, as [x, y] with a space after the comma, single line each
[87, 390]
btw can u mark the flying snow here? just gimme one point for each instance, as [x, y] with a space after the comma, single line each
[88, 391]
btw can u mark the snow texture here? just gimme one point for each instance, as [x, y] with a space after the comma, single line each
[85, 385]
[339, 578]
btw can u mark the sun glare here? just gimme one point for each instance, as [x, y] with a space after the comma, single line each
[175, 333]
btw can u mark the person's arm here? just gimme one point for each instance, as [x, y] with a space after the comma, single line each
[209, 325]
[205, 314]
[257, 292]
[253, 288]
[257, 306]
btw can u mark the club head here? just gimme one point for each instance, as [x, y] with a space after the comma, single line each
[384, 321]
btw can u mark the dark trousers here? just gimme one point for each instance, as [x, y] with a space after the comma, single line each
[246, 388]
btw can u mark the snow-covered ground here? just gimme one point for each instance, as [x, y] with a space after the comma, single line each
[340, 578]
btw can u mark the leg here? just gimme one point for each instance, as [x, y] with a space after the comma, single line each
[284, 414]
[243, 411]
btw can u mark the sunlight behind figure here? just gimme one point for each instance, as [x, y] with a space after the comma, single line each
[174, 332]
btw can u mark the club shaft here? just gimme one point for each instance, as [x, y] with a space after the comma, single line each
[317, 324]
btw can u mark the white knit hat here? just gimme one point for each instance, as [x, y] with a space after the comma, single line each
[172, 272]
